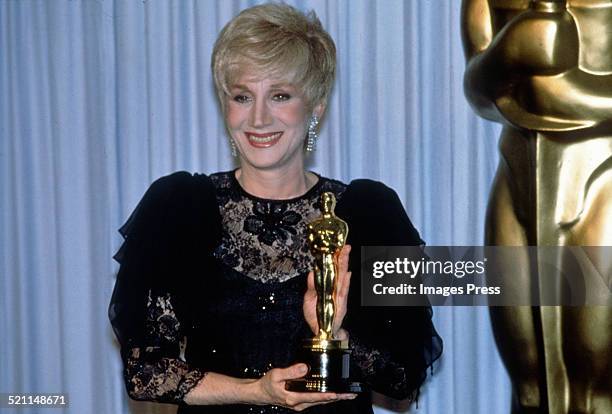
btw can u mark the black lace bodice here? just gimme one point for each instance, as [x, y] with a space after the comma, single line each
[266, 239]
[239, 310]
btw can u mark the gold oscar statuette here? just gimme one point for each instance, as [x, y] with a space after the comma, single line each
[327, 358]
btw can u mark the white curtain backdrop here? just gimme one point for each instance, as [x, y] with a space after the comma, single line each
[100, 97]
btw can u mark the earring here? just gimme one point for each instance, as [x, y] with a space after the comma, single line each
[311, 142]
[233, 148]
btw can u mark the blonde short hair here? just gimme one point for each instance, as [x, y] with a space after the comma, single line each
[276, 41]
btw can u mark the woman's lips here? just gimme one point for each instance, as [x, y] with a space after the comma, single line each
[263, 140]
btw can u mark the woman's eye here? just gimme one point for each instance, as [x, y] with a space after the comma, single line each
[281, 97]
[241, 98]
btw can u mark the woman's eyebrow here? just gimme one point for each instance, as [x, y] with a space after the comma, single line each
[282, 85]
[239, 87]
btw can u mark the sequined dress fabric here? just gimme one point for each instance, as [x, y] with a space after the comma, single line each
[247, 317]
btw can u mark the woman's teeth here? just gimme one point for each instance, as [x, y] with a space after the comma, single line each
[262, 139]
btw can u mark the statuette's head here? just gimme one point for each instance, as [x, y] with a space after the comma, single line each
[328, 202]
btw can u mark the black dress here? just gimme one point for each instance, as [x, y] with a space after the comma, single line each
[212, 280]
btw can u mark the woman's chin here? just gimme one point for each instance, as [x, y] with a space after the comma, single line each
[267, 162]
[262, 163]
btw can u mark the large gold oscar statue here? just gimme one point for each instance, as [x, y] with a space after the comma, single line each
[544, 70]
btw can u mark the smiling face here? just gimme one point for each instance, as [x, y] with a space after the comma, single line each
[268, 121]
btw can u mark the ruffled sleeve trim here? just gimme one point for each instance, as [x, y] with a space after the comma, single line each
[168, 239]
[393, 347]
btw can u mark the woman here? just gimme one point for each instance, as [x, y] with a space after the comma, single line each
[214, 293]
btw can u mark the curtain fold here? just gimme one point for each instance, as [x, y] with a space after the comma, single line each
[99, 98]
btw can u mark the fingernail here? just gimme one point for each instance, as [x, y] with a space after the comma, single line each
[303, 369]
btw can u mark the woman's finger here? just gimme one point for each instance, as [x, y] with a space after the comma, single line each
[342, 297]
[310, 281]
[295, 399]
[304, 406]
[341, 303]
[291, 372]
[336, 397]
[343, 289]
[343, 260]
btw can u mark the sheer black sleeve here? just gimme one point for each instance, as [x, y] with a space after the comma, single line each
[156, 370]
[392, 346]
[149, 308]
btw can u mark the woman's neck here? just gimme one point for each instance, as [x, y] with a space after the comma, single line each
[275, 185]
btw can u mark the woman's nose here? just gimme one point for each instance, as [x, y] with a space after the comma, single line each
[260, 114]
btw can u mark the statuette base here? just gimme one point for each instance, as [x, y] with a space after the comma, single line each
[328, 362]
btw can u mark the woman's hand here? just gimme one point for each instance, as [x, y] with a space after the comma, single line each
[272, 390]
[219, 389]
[342, 289]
